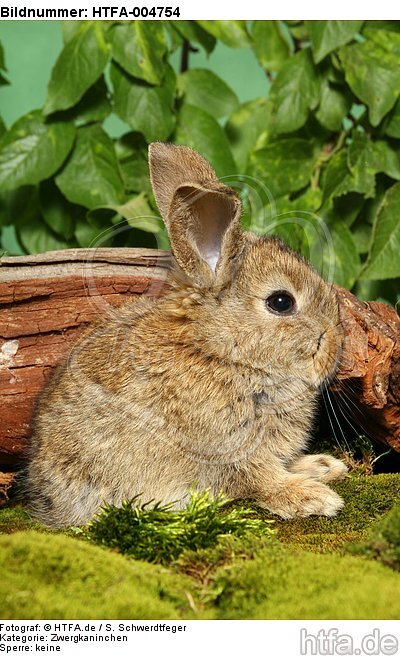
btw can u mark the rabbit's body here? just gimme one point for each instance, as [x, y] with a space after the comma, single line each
[203, 387]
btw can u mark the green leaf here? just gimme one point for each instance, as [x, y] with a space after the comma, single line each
[93, 107]
[309, 201]
[89, 236]
[79, 65]
[361, 164]
[131, 143]
[387, 159]
[70, 28]
[56, 210]
[37, 237]
[91, 176]
[200, 131]
[337, 179]
[383, 261]
[18, 205]
[231, 32]
[136, 211]
[362, 237]
[131, 150]
[139, 215]
[139, 47]
[334, 106]
[384, 291]
[392, 127]
[367, 157]
[298, 29]
[135, 174]
[174, 38]
[3, 128]
[206, 90]
[244, 128]
[391, 25]
[145, 108]
[354, 169]
[386, 39]
[270, 46]
[373, 74]
[32, 150]
[296, 90]
[283, 166]
[279, 221]
[346, 257]
[345, 208]
[328, 35]
[193, 32]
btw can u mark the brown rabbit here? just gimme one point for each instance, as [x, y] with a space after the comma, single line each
[213, 385]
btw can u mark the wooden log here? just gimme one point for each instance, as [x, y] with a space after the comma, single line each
[369, 373]
[47, 300]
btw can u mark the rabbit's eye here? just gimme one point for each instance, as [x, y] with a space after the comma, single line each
[280, 303]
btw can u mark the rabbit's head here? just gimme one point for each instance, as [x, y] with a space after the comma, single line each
[247, 300]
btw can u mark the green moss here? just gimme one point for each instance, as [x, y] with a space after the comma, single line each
[238, 575]
[160, 534]
[282, 584]
[54, 576]
[203, 563]
[383, 542]
[366, 500]
[15, 519]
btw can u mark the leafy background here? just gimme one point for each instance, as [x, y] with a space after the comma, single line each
[323, 141]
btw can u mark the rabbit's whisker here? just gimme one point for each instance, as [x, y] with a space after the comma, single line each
[330, 420]
[337, 420]
[346, 400]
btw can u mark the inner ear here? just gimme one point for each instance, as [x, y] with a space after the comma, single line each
[210, 217]
[199, 219]
[204, 230]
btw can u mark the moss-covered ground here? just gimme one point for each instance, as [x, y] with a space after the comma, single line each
[343, 567]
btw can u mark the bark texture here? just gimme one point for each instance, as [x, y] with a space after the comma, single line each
[47, 300]
[369, 374]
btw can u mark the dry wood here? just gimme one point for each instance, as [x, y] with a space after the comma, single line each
[370, 366]
[6, 483]
[47, 300]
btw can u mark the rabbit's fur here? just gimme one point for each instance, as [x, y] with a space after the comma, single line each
[202, 387]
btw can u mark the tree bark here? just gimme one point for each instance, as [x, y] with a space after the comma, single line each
[47, 300]
[369, 372]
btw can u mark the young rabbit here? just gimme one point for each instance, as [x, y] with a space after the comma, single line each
[213, 385]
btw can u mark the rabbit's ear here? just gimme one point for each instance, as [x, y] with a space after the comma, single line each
[201, 214]
[172, 166]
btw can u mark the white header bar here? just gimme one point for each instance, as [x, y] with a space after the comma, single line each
[195, 10]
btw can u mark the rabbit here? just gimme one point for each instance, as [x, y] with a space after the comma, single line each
[212, 386]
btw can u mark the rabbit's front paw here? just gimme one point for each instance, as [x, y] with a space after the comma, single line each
[302, 498]
[320, 467]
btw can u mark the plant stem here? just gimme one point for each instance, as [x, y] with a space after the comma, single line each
[325, 157]
[185, 56]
